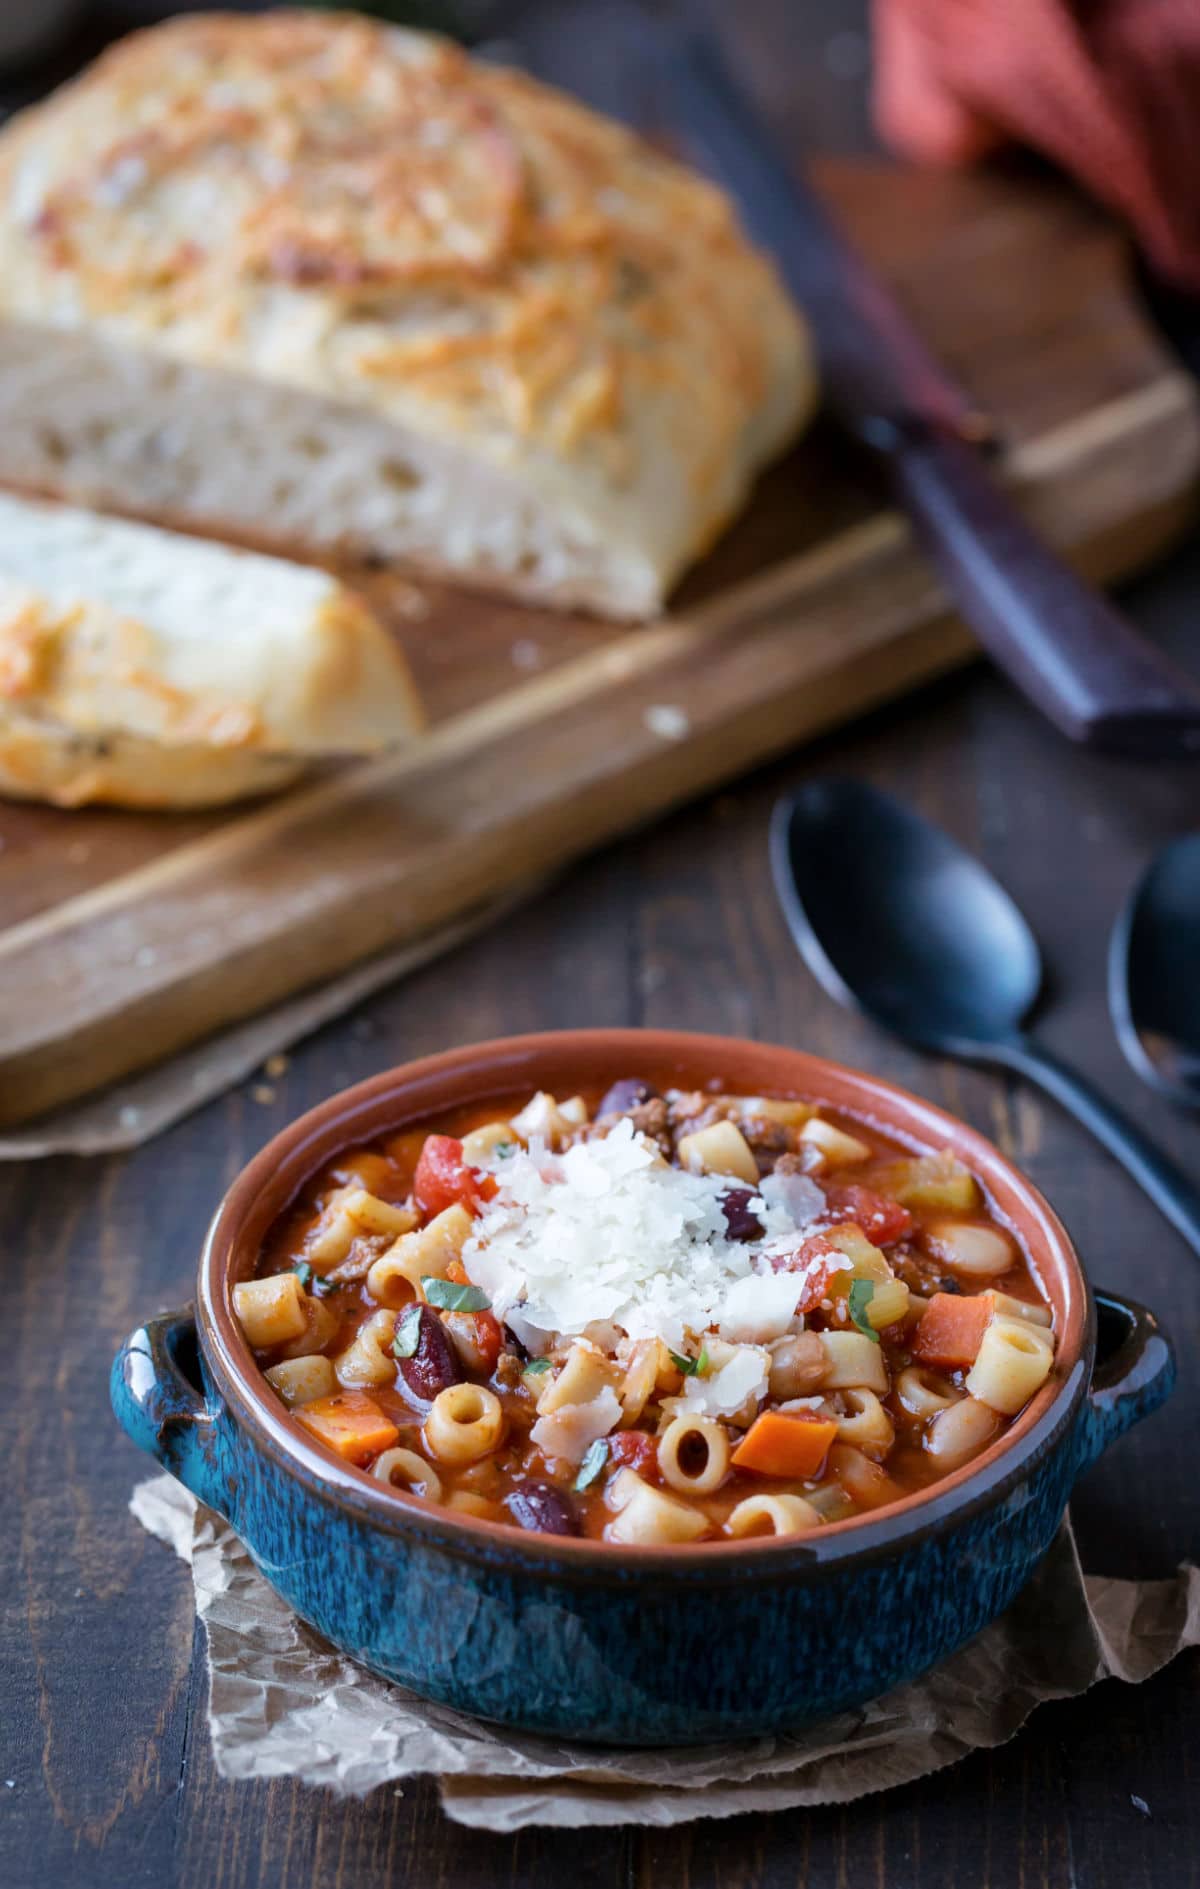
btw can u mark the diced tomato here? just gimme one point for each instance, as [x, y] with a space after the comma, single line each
[633, 1449]
[489, 1337]
[880, 1218]
[800, 1258]
[443, 1178]
[816, 1258]
[951, 1330]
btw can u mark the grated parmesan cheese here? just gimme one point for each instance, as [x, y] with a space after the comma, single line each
[607, 1233]
[722, 1392]
[569, 1431]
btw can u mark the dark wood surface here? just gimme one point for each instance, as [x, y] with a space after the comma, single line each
[105, 1771]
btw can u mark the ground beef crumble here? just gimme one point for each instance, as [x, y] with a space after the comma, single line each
[691, 1109]
[649, 1118]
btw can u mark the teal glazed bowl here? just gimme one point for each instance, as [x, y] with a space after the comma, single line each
[649, 1646]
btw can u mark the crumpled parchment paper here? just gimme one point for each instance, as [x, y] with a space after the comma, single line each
[282, 1702]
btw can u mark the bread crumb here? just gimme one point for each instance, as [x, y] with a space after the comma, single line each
[411, 603]
[275, 1066]
[668, 721]
[263, 1093]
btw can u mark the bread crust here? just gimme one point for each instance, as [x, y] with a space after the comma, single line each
[39, 761]
[364, 216]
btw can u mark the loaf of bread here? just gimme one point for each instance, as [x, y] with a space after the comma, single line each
[318, 281]
[148, 669]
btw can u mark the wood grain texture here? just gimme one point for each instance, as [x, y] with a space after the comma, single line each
[127, 937]
[101, 1697]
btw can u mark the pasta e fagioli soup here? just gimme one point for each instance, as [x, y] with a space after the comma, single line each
[649, 1318]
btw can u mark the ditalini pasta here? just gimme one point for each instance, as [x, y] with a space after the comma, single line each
[649, 1318]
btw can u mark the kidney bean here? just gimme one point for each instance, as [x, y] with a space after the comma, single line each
[740, 1223]
[542, 1509]
[433, 1366]
[625, 1096]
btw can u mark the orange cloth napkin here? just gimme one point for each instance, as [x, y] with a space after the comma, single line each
[1109, 89]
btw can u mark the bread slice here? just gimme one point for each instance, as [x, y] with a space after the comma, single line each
[145, 668]
[325, 282]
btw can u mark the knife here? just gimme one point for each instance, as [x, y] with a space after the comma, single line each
[1069, 651]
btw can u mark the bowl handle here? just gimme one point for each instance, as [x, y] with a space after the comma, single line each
[159, 1406]
[1133, 1373]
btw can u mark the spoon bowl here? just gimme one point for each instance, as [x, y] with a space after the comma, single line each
[1154, 973]
[895, 918]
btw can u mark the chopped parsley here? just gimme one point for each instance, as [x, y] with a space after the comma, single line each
[862, 1291]
[536, 1366]
[310, 1281]
[449, 1296]
[592, 1463]
[407, 1335]
[502, 1150]
[691, 1367]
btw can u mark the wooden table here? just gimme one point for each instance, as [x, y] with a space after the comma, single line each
[105, 1771]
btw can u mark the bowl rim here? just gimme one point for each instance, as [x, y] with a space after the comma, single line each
[409, 1093]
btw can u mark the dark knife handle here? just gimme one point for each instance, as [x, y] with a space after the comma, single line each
[1073, 655]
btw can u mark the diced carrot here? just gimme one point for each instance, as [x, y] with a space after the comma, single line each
[951, 1331]
[780, 1445]
[350, 1423]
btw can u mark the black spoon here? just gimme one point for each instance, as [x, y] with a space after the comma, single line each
[898, 921]
[1154, 973]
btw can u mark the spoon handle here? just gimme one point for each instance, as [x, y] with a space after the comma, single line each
[1167, 1185]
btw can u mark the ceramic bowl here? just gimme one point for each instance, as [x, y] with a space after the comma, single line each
[638, 1645]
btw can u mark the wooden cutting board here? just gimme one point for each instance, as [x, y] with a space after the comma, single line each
[124, 937]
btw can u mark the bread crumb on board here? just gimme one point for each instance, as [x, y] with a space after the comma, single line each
[668, 721]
